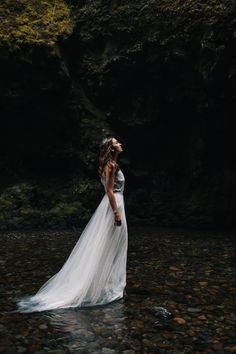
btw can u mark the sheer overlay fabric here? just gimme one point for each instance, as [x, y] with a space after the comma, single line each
[95, 271]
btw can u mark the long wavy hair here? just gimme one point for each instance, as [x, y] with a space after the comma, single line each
[106, 154]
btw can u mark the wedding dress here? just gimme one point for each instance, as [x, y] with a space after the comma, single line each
[95, 271]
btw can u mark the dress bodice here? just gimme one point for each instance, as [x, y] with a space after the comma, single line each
[119, 183]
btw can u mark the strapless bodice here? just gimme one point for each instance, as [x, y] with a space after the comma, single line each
[119, 183]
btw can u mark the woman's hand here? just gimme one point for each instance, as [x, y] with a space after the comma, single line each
[117, 218]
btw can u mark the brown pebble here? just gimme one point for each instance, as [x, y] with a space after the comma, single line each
[164, 345]
[175, 269]
[231, 349]
[179, 320]
[202, 317]
[191, 333]
[217, 346]
[203, 283]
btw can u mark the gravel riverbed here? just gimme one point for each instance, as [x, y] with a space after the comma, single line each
[189, 273]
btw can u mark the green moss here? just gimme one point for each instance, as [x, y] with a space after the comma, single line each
[53, 205]
[34, 22]
[64, 209]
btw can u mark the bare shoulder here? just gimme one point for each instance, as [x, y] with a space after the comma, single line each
[110, 167]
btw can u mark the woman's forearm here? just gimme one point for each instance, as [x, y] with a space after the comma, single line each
[112, 200]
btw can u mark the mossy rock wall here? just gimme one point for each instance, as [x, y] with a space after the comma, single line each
[159, 75]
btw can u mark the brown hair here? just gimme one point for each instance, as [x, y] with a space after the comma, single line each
[106, 154]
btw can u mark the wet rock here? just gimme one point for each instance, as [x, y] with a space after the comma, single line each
[175, 269]
[86, 335]
[217, 346]
[21, 349]
[43, 326]
[191, 333]
[179, 320]
[108, 351]
[56, 351]
[3, 329]
[130, 323]
[165, 345]
[147, 343]
[163, 326]
[161, 312]
[203, 283]
[194, 309]
[230, 349]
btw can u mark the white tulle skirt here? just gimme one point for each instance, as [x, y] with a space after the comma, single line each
[95, 271]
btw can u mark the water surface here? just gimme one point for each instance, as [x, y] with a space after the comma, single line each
[189, 273]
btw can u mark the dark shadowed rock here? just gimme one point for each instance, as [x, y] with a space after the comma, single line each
[161, 75]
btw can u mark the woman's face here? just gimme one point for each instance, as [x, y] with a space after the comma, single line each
[116, 145]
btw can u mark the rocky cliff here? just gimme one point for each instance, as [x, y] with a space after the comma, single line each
[159, 75]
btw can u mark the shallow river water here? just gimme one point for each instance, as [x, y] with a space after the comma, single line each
[190, 273]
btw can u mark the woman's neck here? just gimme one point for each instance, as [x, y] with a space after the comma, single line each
[115, 156]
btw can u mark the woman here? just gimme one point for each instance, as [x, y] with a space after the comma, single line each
[95, 271]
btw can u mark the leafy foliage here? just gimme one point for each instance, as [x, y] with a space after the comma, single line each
[34, 22]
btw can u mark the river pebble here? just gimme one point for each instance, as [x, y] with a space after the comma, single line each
[179, 298]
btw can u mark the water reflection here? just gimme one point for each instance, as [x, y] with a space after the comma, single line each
[89, 328]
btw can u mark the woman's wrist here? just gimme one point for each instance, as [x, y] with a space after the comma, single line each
[115, 211]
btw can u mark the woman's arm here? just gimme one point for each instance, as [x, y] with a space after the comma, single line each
[109, 171]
